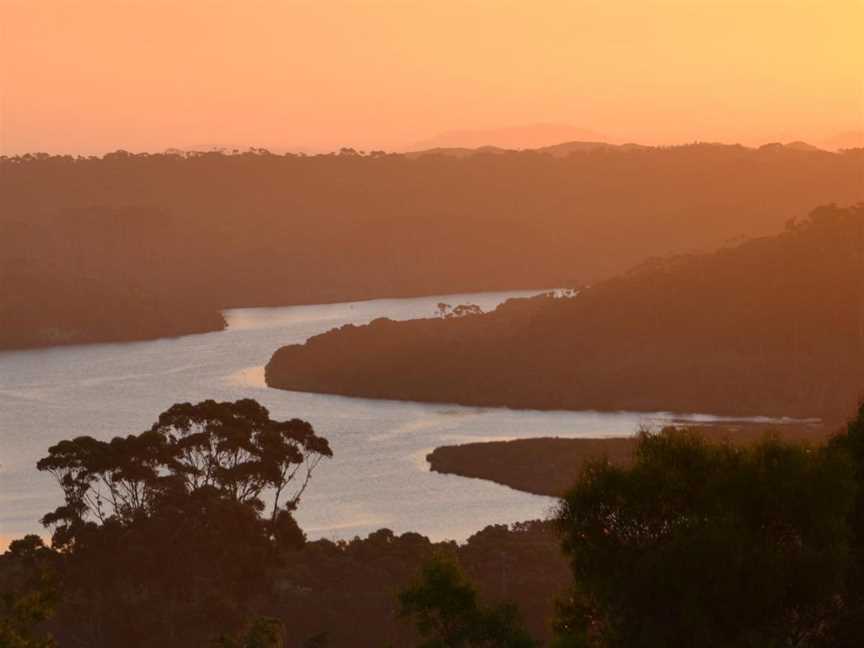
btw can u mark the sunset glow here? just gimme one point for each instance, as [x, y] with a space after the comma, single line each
[97, 75]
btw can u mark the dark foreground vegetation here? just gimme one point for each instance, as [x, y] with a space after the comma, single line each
[698, 544]
[164, 539]
[184, 534]
[771, 326]
[139, 246]
[545, 466]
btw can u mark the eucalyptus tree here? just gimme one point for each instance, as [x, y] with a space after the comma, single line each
[232, 449]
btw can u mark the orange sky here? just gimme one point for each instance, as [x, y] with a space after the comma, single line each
[96, 75]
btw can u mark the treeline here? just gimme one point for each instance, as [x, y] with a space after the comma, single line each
[773, 326]
[136, 246]
[324, 593]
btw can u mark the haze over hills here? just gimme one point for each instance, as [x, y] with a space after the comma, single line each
[772, 326]
[556, 150]
[563, 149]
[554, 137]
[139, 246]
[798, 145]
[465, 144]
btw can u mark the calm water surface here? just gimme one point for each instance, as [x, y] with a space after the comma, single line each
[378, 476]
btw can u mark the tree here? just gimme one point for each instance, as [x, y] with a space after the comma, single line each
[464, 310]
[444, 605]
[847, 629]
[446, 311]
[239, 450]
[706, 545]
[234, 449]
[163, 536]
[28, 594]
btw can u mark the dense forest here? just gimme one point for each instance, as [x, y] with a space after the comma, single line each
[140, 246]
[771, 326]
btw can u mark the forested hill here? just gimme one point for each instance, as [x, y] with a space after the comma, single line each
[130, 246]
[771, 326]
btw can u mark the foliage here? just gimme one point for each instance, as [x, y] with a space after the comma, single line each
[233, 449]
[28, 593]
[847, 630]
[264, 632]
[446, 311]
[444, 605]
[706, 545]
[163, 536]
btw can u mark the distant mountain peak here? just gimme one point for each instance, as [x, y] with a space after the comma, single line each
[529, 136]
[848, 140]
[798, 145]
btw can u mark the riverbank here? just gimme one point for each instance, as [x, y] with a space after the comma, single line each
[549, 466]
[746, 331]
[26, 329]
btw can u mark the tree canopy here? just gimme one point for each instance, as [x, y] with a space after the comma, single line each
[28, 594]
[699, 544]
[444, 605]
[182, 526]
[233, 450]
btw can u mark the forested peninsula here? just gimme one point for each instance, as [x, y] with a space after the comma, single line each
[771, 326]
[136, 246]
[549, 465]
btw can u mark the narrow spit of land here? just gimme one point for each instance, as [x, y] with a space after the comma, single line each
[549, 466]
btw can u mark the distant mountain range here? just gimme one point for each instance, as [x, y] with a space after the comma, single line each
[561, 139]
[566, 148]
[555, 139]
[531, 136]
[847, 140]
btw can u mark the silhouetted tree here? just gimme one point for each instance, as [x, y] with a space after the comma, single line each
[233, 449]
[162, 535]
[237, 449]
[463, 310]
[444, 309]
[706, 545]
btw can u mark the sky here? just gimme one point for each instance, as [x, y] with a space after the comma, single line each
[91, 76]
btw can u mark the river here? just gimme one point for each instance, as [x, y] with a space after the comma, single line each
[378, 476]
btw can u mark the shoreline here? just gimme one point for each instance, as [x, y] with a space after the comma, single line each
[40, 341]
[550, 465]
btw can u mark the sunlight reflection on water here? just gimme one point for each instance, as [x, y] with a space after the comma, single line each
[378, 475]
